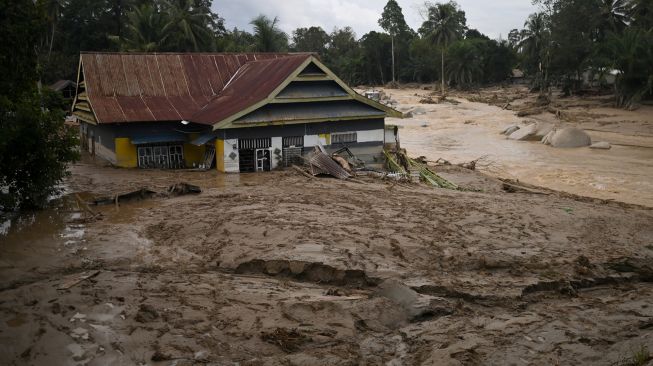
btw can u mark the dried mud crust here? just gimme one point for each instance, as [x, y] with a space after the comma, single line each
[277, 269]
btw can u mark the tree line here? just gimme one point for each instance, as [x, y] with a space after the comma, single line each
[560, 43]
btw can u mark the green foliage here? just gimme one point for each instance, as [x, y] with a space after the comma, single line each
[445, 23]
[392, 19]
[267, 35]
[145, 30]
[187, 26]
[313, 39]
[35, 145]
[633, 58]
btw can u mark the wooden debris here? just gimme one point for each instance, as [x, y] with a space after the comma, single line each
[71, 282]
[302, 172]
[322, 163]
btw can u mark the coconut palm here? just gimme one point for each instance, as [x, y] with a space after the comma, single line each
[442, 28]
[187, 26]
[535, 45]
[614, 15]
[464, 64]
[145, 30]
[267, 35]
[641, 13]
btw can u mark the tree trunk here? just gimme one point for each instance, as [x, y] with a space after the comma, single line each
[393, 59]
[442, 75]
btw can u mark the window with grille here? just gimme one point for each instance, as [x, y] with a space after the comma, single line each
[293, 141]
[259, 143]
[161, 156]
[343, 137]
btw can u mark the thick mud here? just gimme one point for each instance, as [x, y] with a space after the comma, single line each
[278, 269]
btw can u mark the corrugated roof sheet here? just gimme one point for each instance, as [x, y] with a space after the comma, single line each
[61, 84]
[130, 87]
[253, 83]
[307, 111]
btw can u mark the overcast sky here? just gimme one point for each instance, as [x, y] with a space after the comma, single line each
[492, 17]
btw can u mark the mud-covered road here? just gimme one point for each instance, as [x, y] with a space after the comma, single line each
[279, 269]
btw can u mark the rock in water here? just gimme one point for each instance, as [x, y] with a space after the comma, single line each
[601, 145]
[546, 140]
[570, 137]
[509, 130]
[543, 129]
[524, 134]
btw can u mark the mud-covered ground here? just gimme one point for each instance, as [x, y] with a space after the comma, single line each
[279, 269]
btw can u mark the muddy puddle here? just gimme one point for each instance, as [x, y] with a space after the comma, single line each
[468, 131]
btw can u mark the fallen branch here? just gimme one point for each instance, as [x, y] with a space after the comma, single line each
[75, 281]
[303, 172]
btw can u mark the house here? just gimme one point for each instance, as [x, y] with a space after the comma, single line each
[67, 88]
[237, 112]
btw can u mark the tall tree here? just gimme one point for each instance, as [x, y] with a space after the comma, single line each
[268, 36]
[313, 39]
[393, 21]
[145, 30]
[445, 23]
[535, 46]
[188, 26]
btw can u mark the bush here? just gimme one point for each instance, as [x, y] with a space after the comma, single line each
[35, 146]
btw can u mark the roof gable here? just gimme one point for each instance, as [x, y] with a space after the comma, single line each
[278, 83]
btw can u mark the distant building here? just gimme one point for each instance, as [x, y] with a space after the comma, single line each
[239, 112]
[518, 77]
[67, 88]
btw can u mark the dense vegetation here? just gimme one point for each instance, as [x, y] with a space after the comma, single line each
[564, 41]
[35, 145]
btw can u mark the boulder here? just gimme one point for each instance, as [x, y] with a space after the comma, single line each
[524, 134]
[546, 140]
[570, 137]
[542, 129]
[601, 145]
[509, 130]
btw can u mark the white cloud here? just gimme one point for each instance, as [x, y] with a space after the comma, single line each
[493, 18]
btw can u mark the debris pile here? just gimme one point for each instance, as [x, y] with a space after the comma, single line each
[403, 164]
[178, 189]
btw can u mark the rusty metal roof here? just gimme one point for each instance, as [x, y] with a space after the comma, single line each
[137, 87]
[253, 83]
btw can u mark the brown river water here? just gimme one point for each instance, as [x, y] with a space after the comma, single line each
[467, 131]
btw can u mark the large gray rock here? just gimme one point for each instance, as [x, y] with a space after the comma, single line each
[542, 129]
[509, 130]
[525, 133]
[570, 137]
[546, 140]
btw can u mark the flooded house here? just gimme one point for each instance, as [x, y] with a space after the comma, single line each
[235, 112]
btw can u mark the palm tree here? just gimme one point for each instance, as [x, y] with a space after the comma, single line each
[464, 65]
[187, 25]
[614, 15]
[268, 37]
[444, 27]
[641, 13]
[534, 44]
[145, 30]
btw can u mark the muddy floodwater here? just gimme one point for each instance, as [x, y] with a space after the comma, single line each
[467, 131]
[282, 269]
